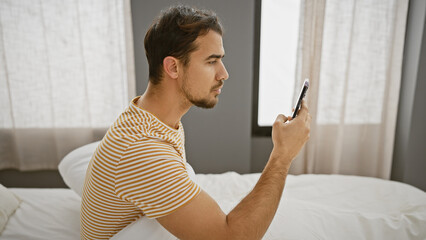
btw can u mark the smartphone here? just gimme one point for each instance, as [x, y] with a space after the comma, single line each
[301, 96]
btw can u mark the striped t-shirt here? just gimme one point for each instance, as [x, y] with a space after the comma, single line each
[137, 169]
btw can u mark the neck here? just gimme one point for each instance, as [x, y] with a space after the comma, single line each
[166, 104]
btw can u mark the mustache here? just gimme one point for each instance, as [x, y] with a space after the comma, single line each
[218, 85]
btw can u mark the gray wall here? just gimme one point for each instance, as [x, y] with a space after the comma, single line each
[217, 140]
[409, 161]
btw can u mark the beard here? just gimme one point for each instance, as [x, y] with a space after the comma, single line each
[204, 102]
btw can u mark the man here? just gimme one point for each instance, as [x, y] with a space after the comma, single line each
[139, 169]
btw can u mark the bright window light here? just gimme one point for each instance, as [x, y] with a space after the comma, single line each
[277, 63]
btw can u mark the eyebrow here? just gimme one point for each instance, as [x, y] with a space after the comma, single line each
[215, 56]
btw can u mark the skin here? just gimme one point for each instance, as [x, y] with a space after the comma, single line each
[198, 84]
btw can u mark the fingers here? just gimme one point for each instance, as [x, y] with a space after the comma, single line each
[281, 118]
[304, 106]
[308, 120]
[304, 114]
[304, 111]
[307, 116]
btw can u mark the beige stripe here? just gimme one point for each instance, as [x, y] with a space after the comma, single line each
[149, 187]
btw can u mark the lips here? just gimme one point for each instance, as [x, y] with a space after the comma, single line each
[218, 90]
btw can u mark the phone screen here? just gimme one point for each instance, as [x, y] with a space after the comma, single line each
[301, 96]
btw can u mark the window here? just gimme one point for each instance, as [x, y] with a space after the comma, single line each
[277, 28]
[65, 75]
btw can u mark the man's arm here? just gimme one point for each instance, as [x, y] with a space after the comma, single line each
[202, 218]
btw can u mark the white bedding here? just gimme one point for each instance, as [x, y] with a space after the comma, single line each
[312, 207]
[44, 214]
[333, 206]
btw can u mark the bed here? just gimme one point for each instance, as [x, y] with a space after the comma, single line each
[312, 207]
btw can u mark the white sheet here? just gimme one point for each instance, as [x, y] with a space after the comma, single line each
[44, 214]
[312, 207]
[332, 206]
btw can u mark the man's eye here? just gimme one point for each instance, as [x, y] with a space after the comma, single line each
[212, 62]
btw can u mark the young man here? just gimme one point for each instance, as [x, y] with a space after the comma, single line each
[139, 169]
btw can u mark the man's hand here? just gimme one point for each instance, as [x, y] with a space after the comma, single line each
[202, 218]
[289, 135]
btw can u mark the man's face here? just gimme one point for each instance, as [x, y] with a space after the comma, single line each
[205, 73]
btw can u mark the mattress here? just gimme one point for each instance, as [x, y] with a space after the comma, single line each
[312, 207]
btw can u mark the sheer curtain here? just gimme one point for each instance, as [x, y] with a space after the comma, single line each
[352, 52]
[66, 72]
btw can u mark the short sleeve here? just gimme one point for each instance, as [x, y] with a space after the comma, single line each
[152, 176]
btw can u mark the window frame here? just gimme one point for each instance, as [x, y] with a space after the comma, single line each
[257, 130]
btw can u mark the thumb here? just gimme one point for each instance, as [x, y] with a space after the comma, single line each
[281, 118]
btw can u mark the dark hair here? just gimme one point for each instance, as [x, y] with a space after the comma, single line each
[173, 34]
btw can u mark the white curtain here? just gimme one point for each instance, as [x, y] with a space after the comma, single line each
[352, 52]
[66, 72]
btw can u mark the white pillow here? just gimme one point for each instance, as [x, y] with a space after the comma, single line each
[74, 165]
[9, 202]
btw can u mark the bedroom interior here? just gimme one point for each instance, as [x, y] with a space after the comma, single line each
[233, 151]
[408, 156]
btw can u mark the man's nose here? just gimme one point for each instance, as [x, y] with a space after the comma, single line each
[223, 73]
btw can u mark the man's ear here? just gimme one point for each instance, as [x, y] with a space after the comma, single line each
[170, 66]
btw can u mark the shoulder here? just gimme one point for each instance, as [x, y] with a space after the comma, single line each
[149, 155]
[152, 176]
[149, 148]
